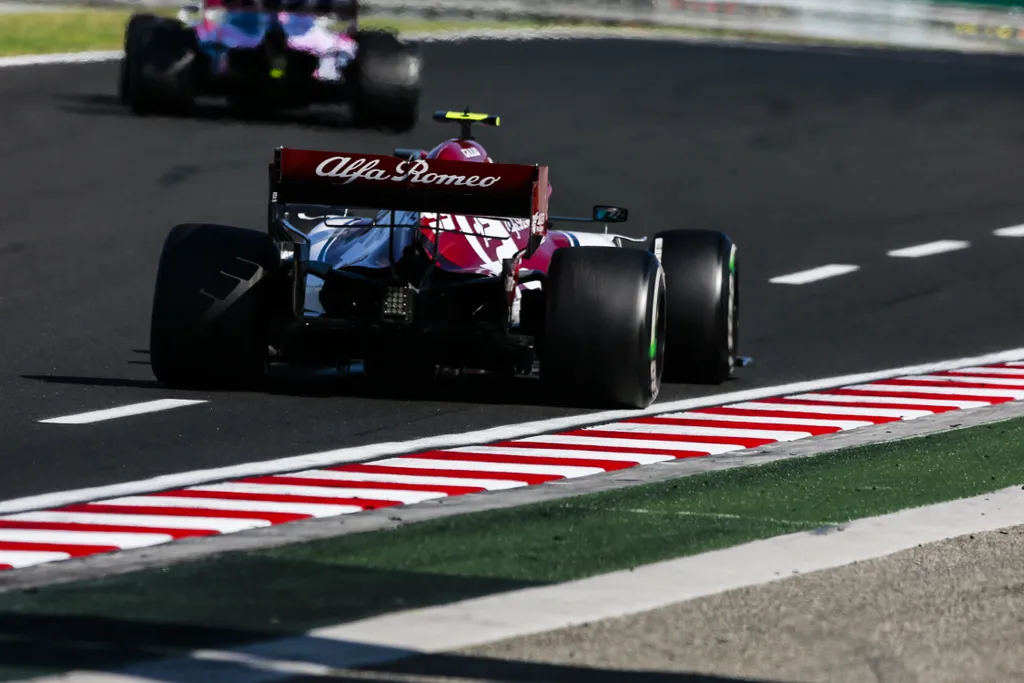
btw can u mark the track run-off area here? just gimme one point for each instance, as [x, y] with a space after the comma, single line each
[874, 196]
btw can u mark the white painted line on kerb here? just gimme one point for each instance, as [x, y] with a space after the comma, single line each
[929, 248]
[122, 411]
[514, 614]
[1013, 231]
[503, 433]
[814, 274]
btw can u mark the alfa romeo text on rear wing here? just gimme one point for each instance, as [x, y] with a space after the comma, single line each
[375, 181]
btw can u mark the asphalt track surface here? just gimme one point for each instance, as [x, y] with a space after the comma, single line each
[804, 158]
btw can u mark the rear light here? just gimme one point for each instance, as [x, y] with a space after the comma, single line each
[398, 304]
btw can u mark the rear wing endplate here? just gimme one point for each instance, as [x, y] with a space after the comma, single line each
[375, 181]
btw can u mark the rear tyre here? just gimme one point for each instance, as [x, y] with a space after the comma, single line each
[384, 82]
[702, 288]
[604, 340]
[158, 71]
[211, 308]
[136, 25]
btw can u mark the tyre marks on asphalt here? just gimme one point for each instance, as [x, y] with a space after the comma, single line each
[138, 521]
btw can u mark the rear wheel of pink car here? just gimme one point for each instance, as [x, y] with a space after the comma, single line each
[604, 328]
[157, 72]
[384, 82]
[136, 25]
[211, 307]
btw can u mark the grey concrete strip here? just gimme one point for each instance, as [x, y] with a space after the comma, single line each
[948, 612]
[193, 549]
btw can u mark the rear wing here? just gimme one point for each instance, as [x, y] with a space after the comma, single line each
[374, 181]
[346, 9]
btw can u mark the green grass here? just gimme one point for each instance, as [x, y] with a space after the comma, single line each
[247, 596]
[45, 32]
[72, 31]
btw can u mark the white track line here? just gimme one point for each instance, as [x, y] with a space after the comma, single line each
[61, 58]
[407, 497]
[1016, 394]
[27, 558]
[687, 430]
[1017, 383]
[890, 400]
[567, 471]
[567, 453]
[514, 614]
[929, 249]
[231, 505]
[668, 445]
[77, 538]
[725, 420]
[804, 277]
[900, 414]
[224, 525]
[123, 411]
[426, 480]
[510, 432]
[967, 372]
[1013, 231]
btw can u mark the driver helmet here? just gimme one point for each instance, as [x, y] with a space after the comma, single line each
[464, 150]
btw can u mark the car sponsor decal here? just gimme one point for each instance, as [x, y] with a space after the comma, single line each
[418, 171]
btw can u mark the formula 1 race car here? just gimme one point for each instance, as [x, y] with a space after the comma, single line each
[270, 54]
[444, 260]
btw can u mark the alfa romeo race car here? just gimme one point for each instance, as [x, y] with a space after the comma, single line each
[423, 261]
[270, 54]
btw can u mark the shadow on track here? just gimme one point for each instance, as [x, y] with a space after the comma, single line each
[465, 389]
[477, 389]
[36, 644]
[313, 118]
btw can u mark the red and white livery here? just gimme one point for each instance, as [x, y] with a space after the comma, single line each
[426, 260]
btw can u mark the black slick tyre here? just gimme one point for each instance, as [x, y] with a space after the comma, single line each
[604, 341]
[211, 308]
[158, 72]
[702, 286]
[384, 82]
[137, 24]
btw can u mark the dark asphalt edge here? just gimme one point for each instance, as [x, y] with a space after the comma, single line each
[124, 562]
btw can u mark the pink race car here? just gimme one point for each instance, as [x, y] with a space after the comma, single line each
[424, 261]
[270, 54]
